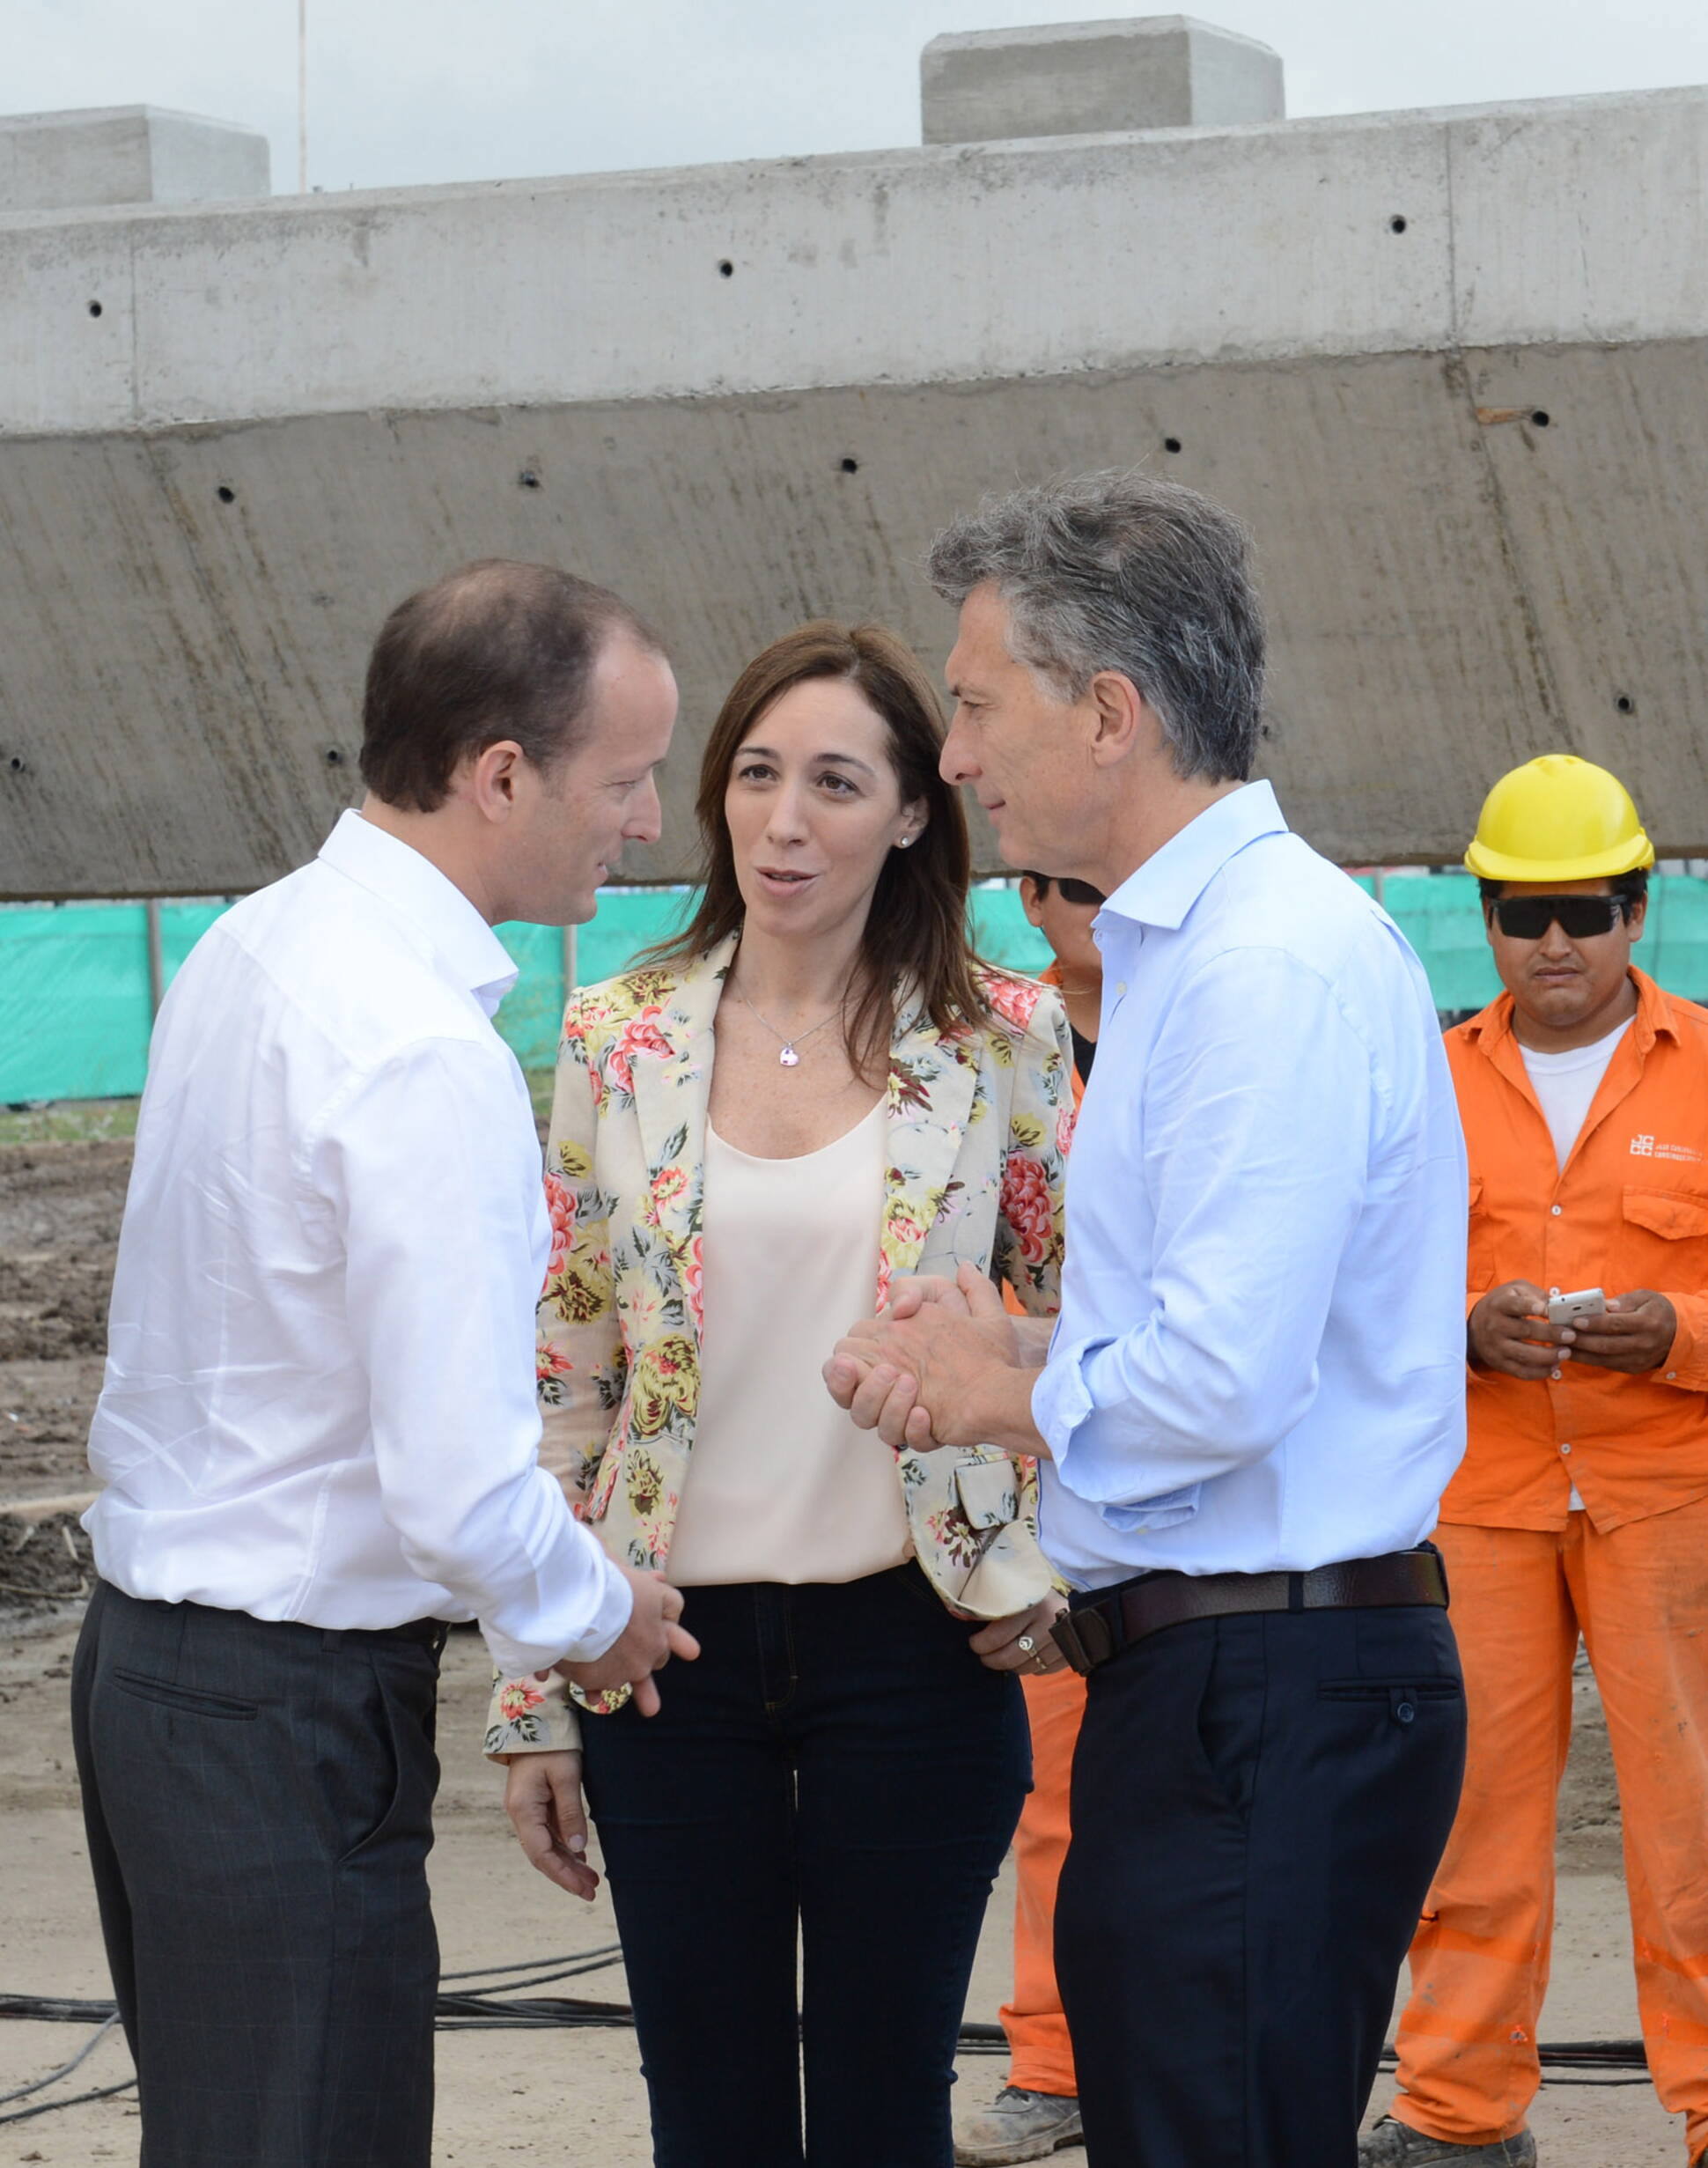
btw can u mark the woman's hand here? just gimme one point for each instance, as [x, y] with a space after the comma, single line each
[940, 1366]
[1023, 1644]
[542, 1797]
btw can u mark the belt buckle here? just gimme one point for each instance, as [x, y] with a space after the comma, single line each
[1084, 1637]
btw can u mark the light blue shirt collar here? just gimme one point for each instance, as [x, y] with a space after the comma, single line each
[1165, 888]
[427, 902]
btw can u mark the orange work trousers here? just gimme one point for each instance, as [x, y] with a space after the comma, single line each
[1040, 2056]
[1479, 1965]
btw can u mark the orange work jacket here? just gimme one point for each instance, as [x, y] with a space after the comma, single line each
[1629, 1210]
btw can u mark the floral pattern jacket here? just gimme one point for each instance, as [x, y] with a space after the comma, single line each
[979, 1122]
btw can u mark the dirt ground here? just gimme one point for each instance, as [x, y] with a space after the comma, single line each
[60, 1204]
[556, 2098]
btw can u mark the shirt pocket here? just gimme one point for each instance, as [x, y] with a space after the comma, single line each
[1664, 1236]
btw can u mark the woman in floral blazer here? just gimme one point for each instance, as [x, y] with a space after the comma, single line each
[848, 1755]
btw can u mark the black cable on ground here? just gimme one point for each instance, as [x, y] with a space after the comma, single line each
[498, 2000]
[47, 2107]
[589, 1961]
[23, 2092]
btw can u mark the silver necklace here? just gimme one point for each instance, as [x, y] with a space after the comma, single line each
[788, 1058]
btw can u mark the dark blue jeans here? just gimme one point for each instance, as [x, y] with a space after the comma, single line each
[836, 1763]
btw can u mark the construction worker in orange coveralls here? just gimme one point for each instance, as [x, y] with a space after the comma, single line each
[1037, 2111]
[1581, 1505]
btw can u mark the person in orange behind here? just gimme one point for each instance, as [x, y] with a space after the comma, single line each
[1038, 2111]
[1581, 1505]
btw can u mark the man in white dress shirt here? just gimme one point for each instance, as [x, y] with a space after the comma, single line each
[318, 1428]
[1255, 1392]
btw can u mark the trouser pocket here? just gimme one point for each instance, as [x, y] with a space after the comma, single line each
[1232, 1704]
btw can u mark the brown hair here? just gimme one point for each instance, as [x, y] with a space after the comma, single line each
[917, 927]
[496, 649]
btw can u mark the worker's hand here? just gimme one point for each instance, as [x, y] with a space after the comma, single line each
[644, 1646]
[997, 1645]
[1636, 1333]
[1509, 1331]
[542, 1797]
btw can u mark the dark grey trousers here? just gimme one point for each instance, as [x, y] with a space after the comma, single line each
[258, 1803]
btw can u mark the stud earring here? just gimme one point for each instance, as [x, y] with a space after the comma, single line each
[905, 844]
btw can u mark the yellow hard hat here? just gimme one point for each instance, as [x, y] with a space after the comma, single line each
[1559, 818]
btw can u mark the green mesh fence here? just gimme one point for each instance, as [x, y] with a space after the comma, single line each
[74, 999]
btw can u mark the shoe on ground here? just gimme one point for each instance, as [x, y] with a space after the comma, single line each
[1397, 2145]
[1018, 2126]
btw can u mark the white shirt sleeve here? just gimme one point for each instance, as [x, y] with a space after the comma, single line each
[1257, 1119]
[431, 1172]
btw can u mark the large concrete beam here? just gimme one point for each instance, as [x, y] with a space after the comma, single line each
[1452, 366]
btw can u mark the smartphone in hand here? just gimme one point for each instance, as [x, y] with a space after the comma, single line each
[1570, 1309]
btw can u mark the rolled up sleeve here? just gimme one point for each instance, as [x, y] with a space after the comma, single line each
[1258, 1112]
[1686, 1366]
[430, 1168]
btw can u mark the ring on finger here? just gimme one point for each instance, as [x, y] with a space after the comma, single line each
[1026, 1644]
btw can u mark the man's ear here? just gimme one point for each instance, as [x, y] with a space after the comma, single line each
[1123, 720]
[1637, 917]
[489, 778]
[1031, 902]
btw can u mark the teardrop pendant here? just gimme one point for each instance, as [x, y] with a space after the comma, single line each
[788, 1058]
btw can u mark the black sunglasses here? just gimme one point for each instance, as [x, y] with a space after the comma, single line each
[1579, 918]
[1079, 892]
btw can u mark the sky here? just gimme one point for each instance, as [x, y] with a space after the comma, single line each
[401, 91]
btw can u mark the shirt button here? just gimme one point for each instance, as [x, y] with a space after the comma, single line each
[1553, 1374]
[1121, 986]
[1671, 1374]
[1566, 1449]
[1554, 1210]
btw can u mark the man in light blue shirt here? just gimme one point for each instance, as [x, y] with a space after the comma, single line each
[1254, 1396]
[1291, 1391]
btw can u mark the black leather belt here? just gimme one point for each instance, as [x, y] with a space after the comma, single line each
[431, 1630]
[1100, 1624]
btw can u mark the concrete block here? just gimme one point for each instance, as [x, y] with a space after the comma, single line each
[126, 154]
[1094, 79]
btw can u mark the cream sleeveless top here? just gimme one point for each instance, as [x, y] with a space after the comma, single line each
[780, 1485]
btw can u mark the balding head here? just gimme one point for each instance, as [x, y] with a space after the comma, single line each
[499, 650]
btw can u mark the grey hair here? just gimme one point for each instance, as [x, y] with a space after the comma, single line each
[1119, 571]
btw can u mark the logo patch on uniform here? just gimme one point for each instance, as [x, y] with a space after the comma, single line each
[1646, 1148]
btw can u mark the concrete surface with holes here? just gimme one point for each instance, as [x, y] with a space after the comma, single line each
[1450, 365]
